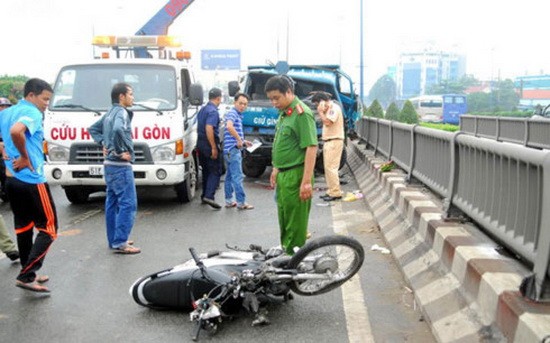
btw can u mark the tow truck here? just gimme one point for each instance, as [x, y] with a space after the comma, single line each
[167, 100]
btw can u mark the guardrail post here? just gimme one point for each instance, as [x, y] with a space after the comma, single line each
[537, 286]
[453, 178]
[377, 136]
[497, 133]
[413, 155]
[526, 134]
[391, 140]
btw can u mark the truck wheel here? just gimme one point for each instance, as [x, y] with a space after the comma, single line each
[76, 195]
[185, 191]
[253, 170]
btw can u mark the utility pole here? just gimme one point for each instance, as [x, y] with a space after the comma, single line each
[361, 90]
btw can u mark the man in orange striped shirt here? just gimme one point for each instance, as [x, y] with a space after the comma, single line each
[31, 201]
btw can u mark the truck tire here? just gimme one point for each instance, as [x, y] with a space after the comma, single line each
[185, 191]
[253, 170]
[77, 195]
[319, 166]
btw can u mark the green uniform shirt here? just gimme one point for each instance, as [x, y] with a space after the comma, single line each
[295, 131]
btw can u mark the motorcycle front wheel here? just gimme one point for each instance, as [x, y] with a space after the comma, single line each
[337, 258]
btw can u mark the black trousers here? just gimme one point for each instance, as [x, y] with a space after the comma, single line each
[33, 207]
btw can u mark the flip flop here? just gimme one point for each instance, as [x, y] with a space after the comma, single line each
[32, 286]
[230, 204]
[127, 250]
[42, 278]
[246, 207]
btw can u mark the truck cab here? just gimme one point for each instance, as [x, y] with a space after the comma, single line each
[164, 125]
[260, 118]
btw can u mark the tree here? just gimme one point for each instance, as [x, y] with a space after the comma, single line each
[453, 86]
[375, 110]
[408, 114]
[392, 112]
[384, 90]
[503, 97]
[11, 87]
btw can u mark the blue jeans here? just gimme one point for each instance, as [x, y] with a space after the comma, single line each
[234, 176]
[120, 205]
[211, 173]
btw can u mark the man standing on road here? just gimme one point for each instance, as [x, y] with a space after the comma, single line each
[31, 201]
[294, 152]
[208, 143]
[114, 132]
[333, 137]
[233, 143]
[7, 246]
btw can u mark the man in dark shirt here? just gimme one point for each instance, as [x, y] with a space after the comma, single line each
[208, 143]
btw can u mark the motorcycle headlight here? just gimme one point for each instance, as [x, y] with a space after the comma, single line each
[57, 153]
[164, 153]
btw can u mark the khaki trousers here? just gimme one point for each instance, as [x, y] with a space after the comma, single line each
[332, 152]
[6, 243]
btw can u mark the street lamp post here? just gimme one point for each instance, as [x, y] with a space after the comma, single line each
[361, 91]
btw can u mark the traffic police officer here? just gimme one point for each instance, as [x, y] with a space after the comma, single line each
[294, 152]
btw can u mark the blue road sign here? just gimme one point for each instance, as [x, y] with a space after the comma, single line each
[221, 59]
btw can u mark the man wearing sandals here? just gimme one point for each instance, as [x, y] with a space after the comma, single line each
[114, 132]
[293, 158]
[31, 201]
[233, 143]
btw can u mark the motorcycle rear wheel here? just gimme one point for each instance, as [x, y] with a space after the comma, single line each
[338, 256]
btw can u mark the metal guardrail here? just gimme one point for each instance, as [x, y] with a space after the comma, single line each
[504, 187]
[531, 132]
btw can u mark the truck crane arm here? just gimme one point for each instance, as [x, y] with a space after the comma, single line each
[160, 22]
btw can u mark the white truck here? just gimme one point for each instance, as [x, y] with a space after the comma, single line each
[164, 124]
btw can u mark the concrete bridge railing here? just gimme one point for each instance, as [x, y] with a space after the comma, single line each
[504, 187]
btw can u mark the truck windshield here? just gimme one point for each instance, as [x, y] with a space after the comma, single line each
[89, 86]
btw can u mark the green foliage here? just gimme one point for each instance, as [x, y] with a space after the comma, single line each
[11, 87]
[453, 86]
[384, 90]
[408, 114]
[392, 112]
[375, 110]
[439, 126]
[503, 97]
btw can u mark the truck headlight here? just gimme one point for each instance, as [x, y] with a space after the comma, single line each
[58, 153]
[164, 153]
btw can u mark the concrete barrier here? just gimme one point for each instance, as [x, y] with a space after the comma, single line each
[465, 283]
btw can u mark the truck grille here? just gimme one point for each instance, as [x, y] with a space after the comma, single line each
[92, 153]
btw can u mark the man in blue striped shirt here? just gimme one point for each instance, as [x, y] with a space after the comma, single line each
[233, 143]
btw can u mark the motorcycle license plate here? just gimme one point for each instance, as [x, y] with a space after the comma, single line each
[96, 171]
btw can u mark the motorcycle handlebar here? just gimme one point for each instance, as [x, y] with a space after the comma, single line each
[196, 258]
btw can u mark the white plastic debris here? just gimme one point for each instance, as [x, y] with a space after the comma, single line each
[383, 250]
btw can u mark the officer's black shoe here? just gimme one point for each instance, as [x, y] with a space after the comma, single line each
[13, 255]
[330, 198]
[212, 203]
[323, 196]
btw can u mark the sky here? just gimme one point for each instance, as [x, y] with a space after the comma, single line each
[499, 38]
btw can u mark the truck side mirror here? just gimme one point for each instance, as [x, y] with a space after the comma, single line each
[196, 94]
[233, 87]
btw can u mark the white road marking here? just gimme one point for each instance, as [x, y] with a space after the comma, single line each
[357, 315]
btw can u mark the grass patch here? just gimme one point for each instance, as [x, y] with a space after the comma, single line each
[444, 127]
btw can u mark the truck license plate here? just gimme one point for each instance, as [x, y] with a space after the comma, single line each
[96, 171]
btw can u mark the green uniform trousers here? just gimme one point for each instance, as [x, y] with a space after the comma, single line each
[293, 212]
[6, 243]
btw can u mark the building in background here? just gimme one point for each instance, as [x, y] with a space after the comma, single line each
[418, 69]
[533, 90]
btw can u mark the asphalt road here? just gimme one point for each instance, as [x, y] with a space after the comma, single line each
[90, 301]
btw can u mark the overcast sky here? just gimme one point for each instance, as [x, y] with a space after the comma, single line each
[498, 37]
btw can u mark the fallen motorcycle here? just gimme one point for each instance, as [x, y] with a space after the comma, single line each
[216, 285]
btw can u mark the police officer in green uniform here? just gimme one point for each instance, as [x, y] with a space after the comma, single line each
[294, 152]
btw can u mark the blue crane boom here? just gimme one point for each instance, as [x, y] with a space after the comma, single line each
[160, 22]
